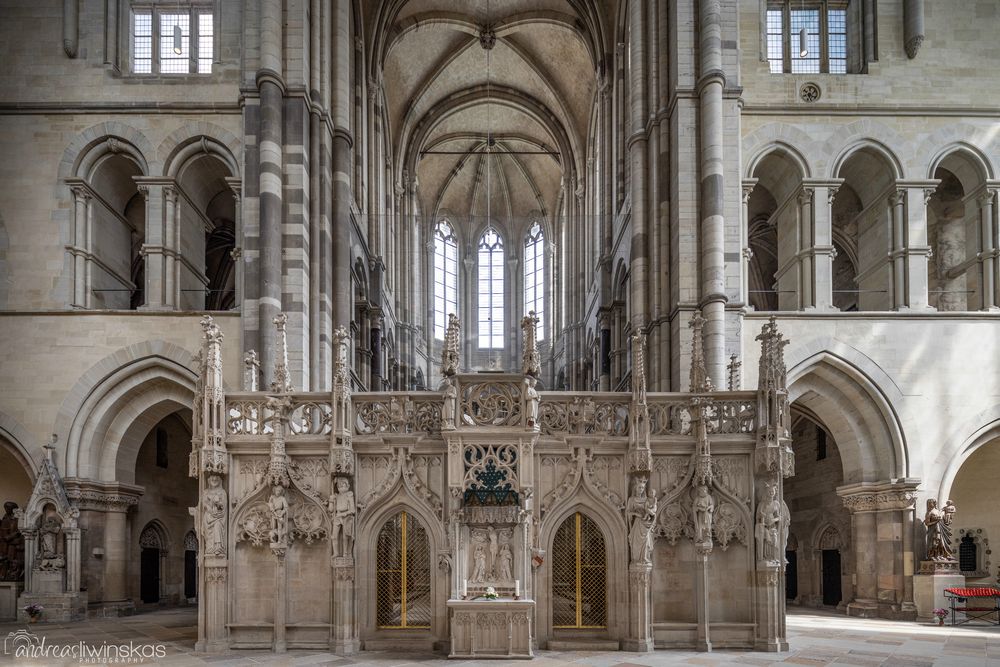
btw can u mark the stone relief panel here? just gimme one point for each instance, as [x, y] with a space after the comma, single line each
[250, 472]
[556, 479]
[732, 475]
[605, 473]
[669, 472]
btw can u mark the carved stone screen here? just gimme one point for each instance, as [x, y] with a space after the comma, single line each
[579, 575]
[403, 574]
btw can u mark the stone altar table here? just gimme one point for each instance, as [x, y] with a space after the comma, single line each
[491, 628]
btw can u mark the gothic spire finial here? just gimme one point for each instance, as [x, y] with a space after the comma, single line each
[698, 379]
[282, 380]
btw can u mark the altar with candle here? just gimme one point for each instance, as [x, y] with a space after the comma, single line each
[485, 629]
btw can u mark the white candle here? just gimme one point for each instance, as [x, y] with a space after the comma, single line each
[517, 588]
[465, 587]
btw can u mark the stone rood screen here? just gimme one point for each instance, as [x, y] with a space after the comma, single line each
[489, 517]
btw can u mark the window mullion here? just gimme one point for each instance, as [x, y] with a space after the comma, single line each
[824, 38]
[786, 42]
[154, 31]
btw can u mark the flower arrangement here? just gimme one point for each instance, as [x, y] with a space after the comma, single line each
[940, 613]
[34, 611]
[491, 593]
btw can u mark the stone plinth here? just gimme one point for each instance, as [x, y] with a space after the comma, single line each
[491, 628]
[9, 591]
[48, 582]
[59, 607]
[928, 592]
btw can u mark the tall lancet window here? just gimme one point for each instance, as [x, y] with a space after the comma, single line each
[534, 275]
[490, 290]
[445, 276]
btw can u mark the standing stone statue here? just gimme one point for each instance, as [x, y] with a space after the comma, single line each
[11, 545]
[768, 528]
[342, 509]
[640, 512]
[448, 407]
[278, 505]
[531, 402]
[479, 569]
[214, 517]
[504, 572]
[704, 508]
[48, 533]
[938, 524]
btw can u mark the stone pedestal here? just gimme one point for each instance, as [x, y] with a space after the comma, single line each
[48, 581]
[9, 590]
[640, 638]
[486, 629]
[59, 607]
[928, 592]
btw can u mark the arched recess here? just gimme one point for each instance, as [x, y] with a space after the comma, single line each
[862, 220]
[108, 225]
[206, 177]
[370, 524]
[154, 548]
[954, 229]
[856, 413]
[980, 431]
[115, 404]
[612, 528]
[772, 228]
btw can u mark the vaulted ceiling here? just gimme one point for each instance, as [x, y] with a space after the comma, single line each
[445, 94]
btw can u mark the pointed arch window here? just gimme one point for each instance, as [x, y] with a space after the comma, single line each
[445, 276]
[491, 290]
[534, 275]
[403, 574]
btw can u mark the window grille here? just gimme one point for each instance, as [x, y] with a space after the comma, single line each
[172, 39]
[826, 36]
[579, 575]
[403, 575]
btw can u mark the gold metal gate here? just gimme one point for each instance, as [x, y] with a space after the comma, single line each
[579, 575]
[403, 574]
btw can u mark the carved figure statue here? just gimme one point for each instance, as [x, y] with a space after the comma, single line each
[47, 534]
[531, 364]
[531, 402]
[504, 572]
[278, 505]
[494, 549]
[342, 510]
[214, 517]
[768, 528]
[939, 530]
[479, 568]
[640, 512]
[449, 351]
[448, 407]
[11, 545]
[704, 508]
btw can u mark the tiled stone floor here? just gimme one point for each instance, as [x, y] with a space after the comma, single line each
[815, 639]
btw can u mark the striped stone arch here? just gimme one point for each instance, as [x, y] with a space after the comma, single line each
[199, 138]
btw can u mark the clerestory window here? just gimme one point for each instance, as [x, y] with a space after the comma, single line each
[445, 276]
[491, 294]
[534, 275]
[175, 38]
[807, 37]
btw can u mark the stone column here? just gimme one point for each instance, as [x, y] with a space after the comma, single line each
[821, 250]
[917, 251]
[805, 202]
[80, 251]
[116, 556]
[863, 542]
[604, 321]
[213, 602]
[897, 252]
[345, 623]
[746, 254]
[72, 559]
[640, 636]
[376, 382]
[988, 233]
[170, 214]
[236, 186]
[153, 246]
[30, 552]
[639, 258]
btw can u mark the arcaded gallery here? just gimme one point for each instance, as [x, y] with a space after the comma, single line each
[523, 329]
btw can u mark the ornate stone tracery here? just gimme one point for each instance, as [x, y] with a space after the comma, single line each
[487, 468]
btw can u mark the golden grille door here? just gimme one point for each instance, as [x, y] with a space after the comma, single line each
[579, 575]
[403, 574]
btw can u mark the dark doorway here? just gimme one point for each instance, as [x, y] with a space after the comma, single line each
[190, 574]
[149, 575]
[791, 575]
[831, 577]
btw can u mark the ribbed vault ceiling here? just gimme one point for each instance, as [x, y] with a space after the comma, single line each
[542, 81]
